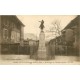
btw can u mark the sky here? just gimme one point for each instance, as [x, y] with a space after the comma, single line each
[32, 23]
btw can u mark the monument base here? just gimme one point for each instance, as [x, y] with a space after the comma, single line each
[42, 54]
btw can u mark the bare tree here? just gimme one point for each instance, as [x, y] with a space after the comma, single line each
[56, 26]
[54, 29]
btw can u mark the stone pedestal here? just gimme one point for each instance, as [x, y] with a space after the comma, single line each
[42, 54]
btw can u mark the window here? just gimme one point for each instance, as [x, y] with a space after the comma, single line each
[18, 37]
[5, 34]
[15, 36]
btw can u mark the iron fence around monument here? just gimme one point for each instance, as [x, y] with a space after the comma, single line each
[16, 49]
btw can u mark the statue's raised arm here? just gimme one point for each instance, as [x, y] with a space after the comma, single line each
[42, 25]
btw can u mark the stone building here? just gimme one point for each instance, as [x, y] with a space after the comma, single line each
[71, 37]
[68, 42]
[11, 33]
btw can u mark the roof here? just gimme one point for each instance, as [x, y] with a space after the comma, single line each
[19, 21]
[14, 18]
[72, 23]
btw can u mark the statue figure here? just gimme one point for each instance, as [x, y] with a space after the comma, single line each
[41, 25]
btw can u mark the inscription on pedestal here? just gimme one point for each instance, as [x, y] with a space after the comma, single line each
[42, 48]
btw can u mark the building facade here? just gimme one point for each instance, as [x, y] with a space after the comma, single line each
[11, 32]
[68, 42]
[71, 37]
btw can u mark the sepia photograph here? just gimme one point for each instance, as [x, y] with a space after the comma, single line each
[39, 39]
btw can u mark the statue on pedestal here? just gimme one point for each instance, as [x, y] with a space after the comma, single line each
[41, 25]
[42, 48]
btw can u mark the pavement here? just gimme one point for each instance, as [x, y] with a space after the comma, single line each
[25, 59]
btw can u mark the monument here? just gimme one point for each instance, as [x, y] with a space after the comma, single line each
[42, 54]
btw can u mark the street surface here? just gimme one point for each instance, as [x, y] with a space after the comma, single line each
[25, 59]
